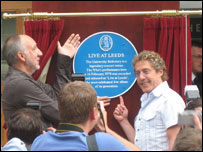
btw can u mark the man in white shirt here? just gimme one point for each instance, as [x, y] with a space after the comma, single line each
[155, 126]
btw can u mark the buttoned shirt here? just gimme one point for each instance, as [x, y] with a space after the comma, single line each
[159, 111]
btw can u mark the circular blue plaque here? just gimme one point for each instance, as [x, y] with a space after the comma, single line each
[106, 60]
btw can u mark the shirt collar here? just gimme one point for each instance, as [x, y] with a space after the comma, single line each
[193, 76]
[158, 91]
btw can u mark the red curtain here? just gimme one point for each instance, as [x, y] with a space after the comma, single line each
[167, 36]
[46, 33]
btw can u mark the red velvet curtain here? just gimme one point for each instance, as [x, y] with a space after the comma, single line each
[167, 36]
[46, 33]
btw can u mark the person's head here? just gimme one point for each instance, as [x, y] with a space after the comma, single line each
[22, 50]
[25, 124]
[195, 104]
[77, 103]
[150, 70]
[188, 139]
[196, 57]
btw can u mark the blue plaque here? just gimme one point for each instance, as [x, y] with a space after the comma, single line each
[106, 60]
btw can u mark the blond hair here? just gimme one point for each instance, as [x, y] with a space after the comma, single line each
[155, 60]
[76, 101]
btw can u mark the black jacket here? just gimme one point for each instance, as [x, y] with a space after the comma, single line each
[19, 88]
[198, 82]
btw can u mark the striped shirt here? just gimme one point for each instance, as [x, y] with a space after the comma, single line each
[159, 111]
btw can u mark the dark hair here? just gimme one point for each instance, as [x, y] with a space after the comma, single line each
[191, 105]
[197, 43]
[188, 139]
[25, 124]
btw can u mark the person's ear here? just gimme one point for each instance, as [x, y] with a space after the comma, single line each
[94, 114]
[21, 56]
[161, 72]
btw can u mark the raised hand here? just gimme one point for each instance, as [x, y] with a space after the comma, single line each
[102, 122]
[106, 100]
[70, 46]
[121, 112]
[197, 122]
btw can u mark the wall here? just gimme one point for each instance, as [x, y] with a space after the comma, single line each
[129, 26]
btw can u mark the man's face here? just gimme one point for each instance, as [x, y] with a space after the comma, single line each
[32, 55]
[147, 77]
[196, 59]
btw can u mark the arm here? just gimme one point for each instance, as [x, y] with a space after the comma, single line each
[29, 90]
[64, 61]
[104, 99]
[128, 129]
[121, 115]
[197, 122]
[128, 144]
[172, 132]
[100, 127]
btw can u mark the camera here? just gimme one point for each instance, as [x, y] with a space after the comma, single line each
[101, 108]
[191, 92]
[33, 105]
[78, 77]
[186, 118]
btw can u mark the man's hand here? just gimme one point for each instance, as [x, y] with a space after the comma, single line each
[70, 47]
[121, 112]
[102, 122]
[197, 122]
[50, 128]
[105, 100]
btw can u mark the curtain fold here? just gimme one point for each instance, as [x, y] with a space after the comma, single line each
[166, 36]
[46, 33]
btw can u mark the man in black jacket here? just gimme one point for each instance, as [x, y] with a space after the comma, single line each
[197, 64]
[23, 55]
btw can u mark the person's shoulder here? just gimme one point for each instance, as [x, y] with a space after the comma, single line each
[172, 95]
[15, 144]
[199, 76]
[102, 135]
[108, 142]
[41, 138]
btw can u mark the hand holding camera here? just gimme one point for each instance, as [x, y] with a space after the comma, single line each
[190, 118]
[102, 122]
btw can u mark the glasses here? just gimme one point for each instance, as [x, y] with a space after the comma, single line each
[145, 72]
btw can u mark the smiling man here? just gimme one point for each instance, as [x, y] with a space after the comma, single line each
[23, 56]
[155, 126]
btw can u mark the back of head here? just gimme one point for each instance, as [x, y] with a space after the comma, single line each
[188, 139]
[197, 43]
[11, 48]
[25, 124]
[195, 103]
[155, 60]
[76, 100]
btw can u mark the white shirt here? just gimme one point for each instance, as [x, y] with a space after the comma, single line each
[15, 144]
[193, 76]
[159, 111]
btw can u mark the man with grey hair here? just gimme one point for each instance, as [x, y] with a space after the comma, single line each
[23, 55]
[155, 126]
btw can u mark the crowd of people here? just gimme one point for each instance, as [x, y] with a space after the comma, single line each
[68, 111]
